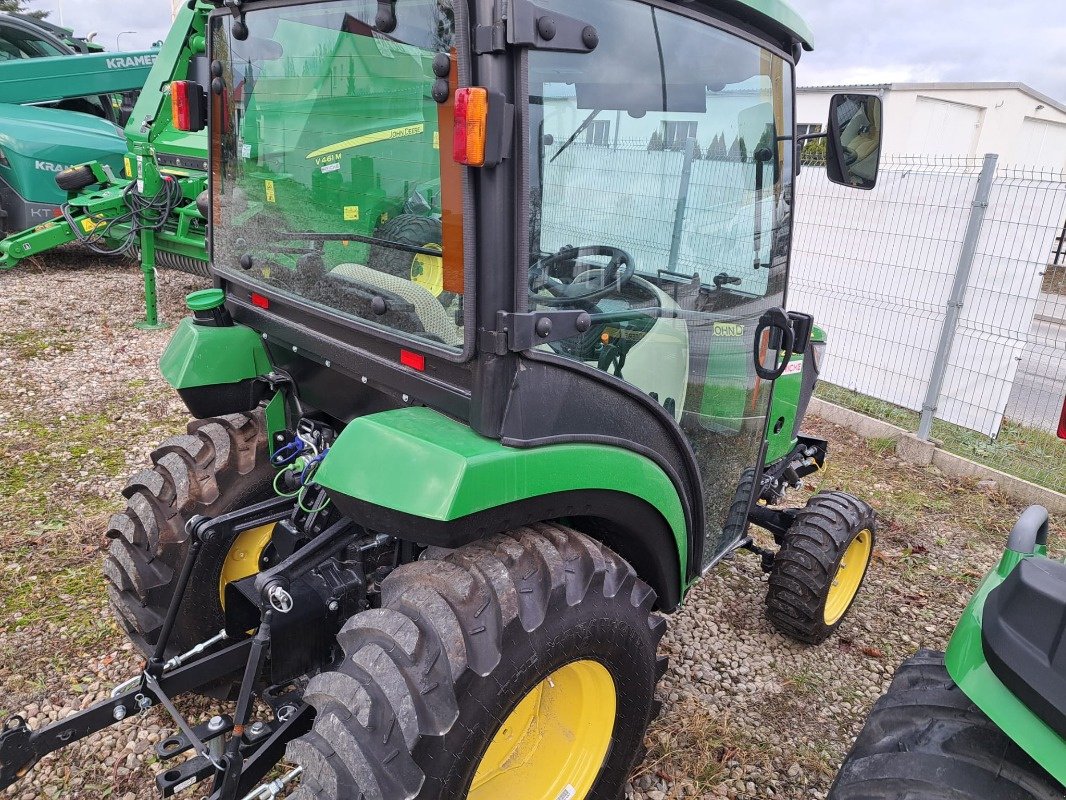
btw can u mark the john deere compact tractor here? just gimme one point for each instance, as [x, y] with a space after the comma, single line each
[987, 718]
[485, 386]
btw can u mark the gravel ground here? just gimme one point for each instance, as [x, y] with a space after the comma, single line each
[747, 713]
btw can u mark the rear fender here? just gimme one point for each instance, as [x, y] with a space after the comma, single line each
[425, 477]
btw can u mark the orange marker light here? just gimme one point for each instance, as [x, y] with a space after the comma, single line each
[471, 126]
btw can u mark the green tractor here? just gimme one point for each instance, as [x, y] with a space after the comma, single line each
[987, 718]
[481, 392]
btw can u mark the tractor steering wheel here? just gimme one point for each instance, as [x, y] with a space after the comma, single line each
[586, 287]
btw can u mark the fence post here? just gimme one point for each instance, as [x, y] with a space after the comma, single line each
[953, 310]
[682, 204]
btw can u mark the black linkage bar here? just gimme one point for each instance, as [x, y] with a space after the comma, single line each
[227, 782]
[155, 664]
[21, 748]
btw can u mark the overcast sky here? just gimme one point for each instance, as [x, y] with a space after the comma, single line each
[877, 41]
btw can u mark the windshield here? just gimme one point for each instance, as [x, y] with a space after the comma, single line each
[329, 184]
[660, 174]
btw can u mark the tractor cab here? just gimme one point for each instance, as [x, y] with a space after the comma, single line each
[603, 205]
[495, 368]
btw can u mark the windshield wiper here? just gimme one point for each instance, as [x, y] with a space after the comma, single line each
[312, 236]
[581, 127]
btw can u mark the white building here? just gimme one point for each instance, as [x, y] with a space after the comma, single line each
[1019, 123]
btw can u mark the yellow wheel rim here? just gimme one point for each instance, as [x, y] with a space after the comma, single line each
[849, 575]
[428, 271]
[554, 743]
[243, 557]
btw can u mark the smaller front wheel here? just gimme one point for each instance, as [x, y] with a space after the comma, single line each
[821, 565]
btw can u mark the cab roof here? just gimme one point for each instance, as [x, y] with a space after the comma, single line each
[776, 17]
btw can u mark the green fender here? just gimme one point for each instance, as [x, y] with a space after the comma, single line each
[214, 369]
[201, 355]
[966, 663]
[418, 462]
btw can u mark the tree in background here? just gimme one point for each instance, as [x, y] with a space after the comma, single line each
[656, 143]
[19, 7]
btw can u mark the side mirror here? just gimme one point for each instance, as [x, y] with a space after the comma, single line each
[853, 154]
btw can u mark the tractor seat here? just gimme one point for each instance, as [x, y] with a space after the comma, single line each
[1024, 637]
[435, 319]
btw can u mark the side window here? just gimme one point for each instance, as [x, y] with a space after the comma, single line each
[675, 134]
[598, 133]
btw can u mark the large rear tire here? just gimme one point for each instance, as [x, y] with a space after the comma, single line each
[221, 464]
[925, 740]
[523, 667]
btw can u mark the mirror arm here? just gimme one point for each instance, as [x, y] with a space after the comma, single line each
[808, 137]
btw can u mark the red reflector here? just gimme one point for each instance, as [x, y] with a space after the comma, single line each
[57, 212]
[413, 360]
[1062, 421]
[259, 301]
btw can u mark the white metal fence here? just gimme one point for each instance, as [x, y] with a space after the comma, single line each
[933, 287]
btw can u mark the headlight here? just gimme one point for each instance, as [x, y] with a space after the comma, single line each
[818, 356]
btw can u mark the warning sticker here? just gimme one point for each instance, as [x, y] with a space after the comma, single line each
[567, 793]
[270, 196]
[436, 140]
[351, 213]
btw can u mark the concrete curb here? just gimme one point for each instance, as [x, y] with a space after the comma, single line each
[910, 448]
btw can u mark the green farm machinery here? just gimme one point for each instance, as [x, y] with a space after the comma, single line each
[141, 197]
[987, 718]
[58, 110]
[479, 393]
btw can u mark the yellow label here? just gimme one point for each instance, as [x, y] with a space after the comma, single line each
[384, 218]
[361, 141]
[89, 225]
[436, 140]
[351, 213]
[728, 329]
[129, 166]
[270, 196]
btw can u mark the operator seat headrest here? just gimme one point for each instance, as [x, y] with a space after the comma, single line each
[435, 319]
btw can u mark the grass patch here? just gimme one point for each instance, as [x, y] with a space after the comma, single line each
[1025, 452]
[1054, 280]
[54, 519]
[691, 744]
[34, 343]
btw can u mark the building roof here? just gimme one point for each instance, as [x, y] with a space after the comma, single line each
[942, 86]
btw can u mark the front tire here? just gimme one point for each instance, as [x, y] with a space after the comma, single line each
[925, 740]
[487, 674]
[821, 566]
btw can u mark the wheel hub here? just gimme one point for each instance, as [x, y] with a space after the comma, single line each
[555, 741]
[848, 577]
